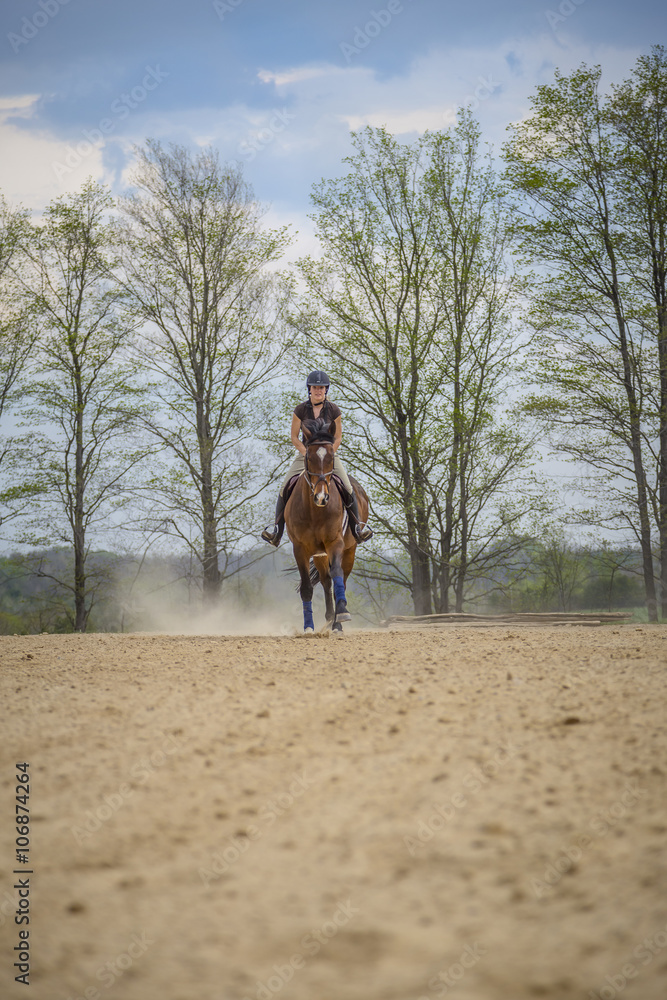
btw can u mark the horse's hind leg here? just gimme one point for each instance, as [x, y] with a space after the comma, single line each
[322, 567]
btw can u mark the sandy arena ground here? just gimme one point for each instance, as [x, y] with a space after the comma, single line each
[478, 813]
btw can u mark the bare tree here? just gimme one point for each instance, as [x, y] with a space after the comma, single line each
[202, 271]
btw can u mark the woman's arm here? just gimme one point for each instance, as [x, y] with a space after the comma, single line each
[338, 437]
[296, 428]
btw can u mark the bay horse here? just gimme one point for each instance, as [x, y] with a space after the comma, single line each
[318, 528]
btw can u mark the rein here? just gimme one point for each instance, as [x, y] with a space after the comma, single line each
[321, 476]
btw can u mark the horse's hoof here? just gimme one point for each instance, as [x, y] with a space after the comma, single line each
[309, 631]
[342, 614]
[337, 627]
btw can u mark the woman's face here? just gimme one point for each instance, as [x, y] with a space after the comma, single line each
[317, 393]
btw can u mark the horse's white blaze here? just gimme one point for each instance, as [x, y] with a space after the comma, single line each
[321, 454]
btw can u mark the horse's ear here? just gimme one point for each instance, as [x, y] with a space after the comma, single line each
[332, 429]
[307, 431]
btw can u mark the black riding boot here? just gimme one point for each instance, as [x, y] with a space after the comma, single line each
[273, 535]
[360, 530]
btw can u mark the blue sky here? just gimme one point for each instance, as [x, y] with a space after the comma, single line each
[277, 84]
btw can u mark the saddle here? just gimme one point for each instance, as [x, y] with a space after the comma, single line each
[290, 487]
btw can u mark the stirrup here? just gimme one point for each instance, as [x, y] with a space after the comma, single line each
[362, 532]
[272, 536]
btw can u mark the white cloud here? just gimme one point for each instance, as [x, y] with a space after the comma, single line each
[17, 107]
[36, 167]
[297, 75]
[402, 122]
[305, 134]
[496, 80]
[302, 230]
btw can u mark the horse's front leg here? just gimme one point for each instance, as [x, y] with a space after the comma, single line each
[306, 589]
[322, 567]
[338, 578]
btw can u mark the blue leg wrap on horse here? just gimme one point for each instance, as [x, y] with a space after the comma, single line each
[308, 615]
[339, 588]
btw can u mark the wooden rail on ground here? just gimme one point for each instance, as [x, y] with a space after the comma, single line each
[528, 618]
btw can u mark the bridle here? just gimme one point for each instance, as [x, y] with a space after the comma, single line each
[324, 477]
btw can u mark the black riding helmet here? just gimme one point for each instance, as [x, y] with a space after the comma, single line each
[318, 378]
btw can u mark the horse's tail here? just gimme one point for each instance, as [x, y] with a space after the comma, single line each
[314, 576]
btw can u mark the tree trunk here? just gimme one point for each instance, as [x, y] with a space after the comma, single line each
[443, 573]
[80, 612]
[447, 535]
[421, 557]
[453, 473]
[640, 478]
[635, 437]
[421, 580]
[662, 463]
[463, 519]
[210, 564]
[79, 530]
[211, 567]
[415, 515]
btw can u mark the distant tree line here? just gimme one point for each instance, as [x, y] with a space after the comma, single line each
[468, 315]
[155, 591]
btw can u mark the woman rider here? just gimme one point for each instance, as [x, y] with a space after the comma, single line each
[317, 405]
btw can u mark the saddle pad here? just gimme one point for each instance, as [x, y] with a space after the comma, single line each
[291, 484]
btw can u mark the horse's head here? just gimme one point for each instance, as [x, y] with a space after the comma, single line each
[319, 437]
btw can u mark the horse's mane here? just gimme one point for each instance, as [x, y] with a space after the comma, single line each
[319, 430]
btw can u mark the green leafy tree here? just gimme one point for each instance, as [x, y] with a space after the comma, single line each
[411, 306]
[587, 224]
[637, 111]
[75, 460]
[202, 271]
[17, 336]
[12, 227]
